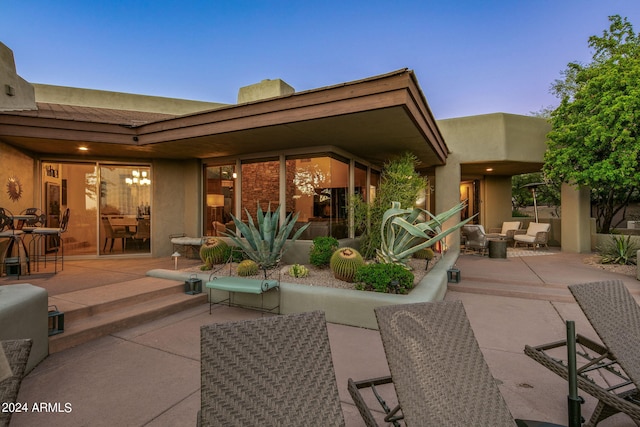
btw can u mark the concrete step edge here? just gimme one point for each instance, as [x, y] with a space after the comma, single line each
[83, 330]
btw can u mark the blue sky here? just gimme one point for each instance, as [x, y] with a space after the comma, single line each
[470, 57]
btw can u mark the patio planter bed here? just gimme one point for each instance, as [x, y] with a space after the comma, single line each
[345, 306]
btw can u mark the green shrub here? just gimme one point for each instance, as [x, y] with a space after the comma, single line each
[297, 270]
[388, 278]
[321, 250]
[619, 250]
[345, 262]
[247, 268]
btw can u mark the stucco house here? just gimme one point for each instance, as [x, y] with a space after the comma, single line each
[155, 167]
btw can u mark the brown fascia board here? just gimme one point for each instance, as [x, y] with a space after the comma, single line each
[389, 90]
[69, 130]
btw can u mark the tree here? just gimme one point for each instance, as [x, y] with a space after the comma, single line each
[399, 182]
[595, 139]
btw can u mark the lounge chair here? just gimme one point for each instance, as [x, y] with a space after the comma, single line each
[273, 371]
[17, 354]
[438, 371]
[475, 238]
[615, 316]
[508, 230]
[536, 235]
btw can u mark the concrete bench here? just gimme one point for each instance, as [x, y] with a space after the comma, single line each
[24, 314]
[243, 285]
[186, 244]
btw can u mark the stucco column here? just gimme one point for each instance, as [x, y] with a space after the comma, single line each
[575, 222]
[448, 194]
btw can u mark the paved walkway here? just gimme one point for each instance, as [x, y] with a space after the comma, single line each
[149, 375]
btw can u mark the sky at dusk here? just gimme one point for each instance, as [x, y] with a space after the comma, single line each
[470, 57]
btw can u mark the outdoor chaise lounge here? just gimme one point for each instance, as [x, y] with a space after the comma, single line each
[508, 230]
[16, 353]
[537, 234]
[272, 371]
[475, 238]
[611, 372]
[438, 371]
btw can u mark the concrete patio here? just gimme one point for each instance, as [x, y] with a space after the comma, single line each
[149, 375]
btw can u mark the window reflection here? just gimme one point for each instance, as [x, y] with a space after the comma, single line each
[220, 182]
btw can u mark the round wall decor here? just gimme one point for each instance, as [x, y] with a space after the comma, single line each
[14, 188]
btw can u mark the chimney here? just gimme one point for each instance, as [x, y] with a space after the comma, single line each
[264, 90]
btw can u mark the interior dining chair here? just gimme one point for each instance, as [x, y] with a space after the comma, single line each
[112, 233]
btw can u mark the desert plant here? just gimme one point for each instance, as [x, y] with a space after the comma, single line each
[426, 253]
[267, 242]
[247, 268]
[345, 262]
[322, 249]
[213, 251]
[619, 250]
[406, 231]
[389, 278]
[297, 270]
[399, 181]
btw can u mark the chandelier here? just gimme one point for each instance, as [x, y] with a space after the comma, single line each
[138, 178]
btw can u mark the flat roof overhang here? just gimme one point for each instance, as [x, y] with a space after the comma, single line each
[374, 119]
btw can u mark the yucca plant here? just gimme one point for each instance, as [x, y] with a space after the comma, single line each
[619, 250]
[406, 231]
[265, 241]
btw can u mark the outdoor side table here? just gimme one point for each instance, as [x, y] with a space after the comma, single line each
[497, 248]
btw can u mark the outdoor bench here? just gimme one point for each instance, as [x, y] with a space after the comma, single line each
[185, 243]
[245, 285]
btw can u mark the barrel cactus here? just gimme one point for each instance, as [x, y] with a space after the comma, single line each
[213, 251]
[426, 253]
[345, 262]
[247, 268]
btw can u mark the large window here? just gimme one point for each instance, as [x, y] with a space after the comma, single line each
[219, 199]
[319, 192]
[260, 184]
[125, 209]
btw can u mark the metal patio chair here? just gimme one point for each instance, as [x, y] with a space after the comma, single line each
[17, 354]
[272, 371]
[609, 372]
[438, 371]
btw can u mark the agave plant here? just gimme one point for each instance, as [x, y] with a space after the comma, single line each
[619, 250]
[265, 243]
[406, 231]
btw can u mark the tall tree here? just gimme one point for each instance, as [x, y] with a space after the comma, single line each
[595, 140]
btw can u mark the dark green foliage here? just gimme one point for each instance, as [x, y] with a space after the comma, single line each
[595, 137]
[399, 182]
[388, 278]
[619, 250]
[321, 250]
[236, 254]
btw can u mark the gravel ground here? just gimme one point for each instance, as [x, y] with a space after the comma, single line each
[594, 261]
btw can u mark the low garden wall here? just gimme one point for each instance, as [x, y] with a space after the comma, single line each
[345, 306]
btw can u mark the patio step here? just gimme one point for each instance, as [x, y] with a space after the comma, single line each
[555, 292]
[538, 291]
[103, 310]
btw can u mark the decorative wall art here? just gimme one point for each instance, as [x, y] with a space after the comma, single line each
[14, 188]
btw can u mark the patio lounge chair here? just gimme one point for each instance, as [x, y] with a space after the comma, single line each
[438, 371]
[475, 238]
[273, 371]
[17, 354]
[615, 316]
[508, 230]
[537, 234]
